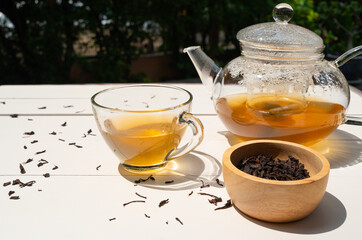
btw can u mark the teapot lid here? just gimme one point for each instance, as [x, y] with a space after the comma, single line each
[280, 35]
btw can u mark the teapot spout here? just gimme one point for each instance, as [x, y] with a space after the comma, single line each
[205, 66]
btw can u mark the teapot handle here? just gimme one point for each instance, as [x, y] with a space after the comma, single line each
[345, 57]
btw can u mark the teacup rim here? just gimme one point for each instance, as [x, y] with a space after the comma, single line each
[94, 103]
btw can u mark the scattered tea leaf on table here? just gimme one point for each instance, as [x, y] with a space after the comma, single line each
[22, 169]
[214, 200]
[28, 161]
[29, 133]
[27, 184]
[144, 180]
[40, 152]
[163, 202]
[203, 184]
[6, 184]
[177, 219]
[219, 183]
[141, 195]
[228, 204]
[135, 201]
[42, 162]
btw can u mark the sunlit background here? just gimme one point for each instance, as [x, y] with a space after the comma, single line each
[69, 41]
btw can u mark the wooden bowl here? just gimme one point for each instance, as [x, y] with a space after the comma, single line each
[273, 200]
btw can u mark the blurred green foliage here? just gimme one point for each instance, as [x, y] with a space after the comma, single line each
[42, 41]
[340, 24]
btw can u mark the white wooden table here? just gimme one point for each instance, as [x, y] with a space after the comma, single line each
[83, 198]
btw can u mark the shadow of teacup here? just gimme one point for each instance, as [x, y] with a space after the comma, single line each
[329, 215]
[341, 148]
[188, 172]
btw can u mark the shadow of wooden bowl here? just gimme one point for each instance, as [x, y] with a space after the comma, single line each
[274, 200]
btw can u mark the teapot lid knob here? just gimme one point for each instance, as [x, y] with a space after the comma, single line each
[282, 13]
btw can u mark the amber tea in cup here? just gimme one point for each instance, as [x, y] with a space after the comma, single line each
[143, 141]
[144, 124]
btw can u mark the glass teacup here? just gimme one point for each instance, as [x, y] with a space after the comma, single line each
[144, 124]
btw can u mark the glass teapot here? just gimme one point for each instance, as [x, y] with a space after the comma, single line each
[280, 87]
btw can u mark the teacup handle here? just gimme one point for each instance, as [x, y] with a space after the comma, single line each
[198, 136]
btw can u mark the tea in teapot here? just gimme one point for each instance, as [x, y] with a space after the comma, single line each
[279, 117]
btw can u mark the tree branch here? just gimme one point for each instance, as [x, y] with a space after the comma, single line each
[341, 26]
